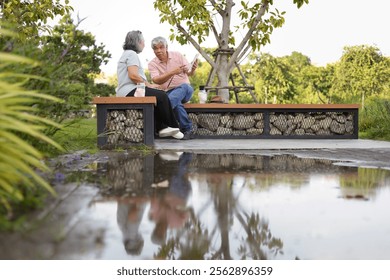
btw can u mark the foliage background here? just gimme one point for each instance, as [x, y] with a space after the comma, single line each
[47, 71]
[362, 76]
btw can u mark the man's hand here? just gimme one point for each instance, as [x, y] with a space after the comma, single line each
[179, 70]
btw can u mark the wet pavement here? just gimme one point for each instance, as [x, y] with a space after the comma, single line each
[359, 152]
[67, 229]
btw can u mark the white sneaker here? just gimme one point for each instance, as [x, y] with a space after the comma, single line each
[178, 135]
[169, 131]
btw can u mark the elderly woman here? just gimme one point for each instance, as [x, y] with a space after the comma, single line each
[130, 72]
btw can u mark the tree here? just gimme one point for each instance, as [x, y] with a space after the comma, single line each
[194, 21]
[29, 19]
[310, 84]
[69, 57]
[362, 72]
[70, 60]
[314, 84]
[273, 79]
[57, 65]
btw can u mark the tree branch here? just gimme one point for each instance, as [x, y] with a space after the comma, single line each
[196, 45]
[68, 47]
[215, 31]
[216, 7]
[244, 41]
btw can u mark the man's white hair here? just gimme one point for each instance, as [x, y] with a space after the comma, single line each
[159, 40]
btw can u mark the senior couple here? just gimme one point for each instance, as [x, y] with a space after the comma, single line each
[169, 72]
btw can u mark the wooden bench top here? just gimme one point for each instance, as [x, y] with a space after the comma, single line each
[125, 100]
[152, 100]
[270, 106]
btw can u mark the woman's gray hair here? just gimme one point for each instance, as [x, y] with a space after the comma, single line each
[133, 41]
[159, 40]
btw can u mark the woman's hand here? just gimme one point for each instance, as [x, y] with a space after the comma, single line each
[156, 86]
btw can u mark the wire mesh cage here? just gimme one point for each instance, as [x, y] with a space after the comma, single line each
[274, 124]
[124, 126]
[227, 124]
[312, 123]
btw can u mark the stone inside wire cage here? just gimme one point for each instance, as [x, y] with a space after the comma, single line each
[234, 124]
[125, 126]
[285, 123]
[311, 123]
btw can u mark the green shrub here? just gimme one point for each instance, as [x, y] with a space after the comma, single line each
[375, 119]
[19, 159]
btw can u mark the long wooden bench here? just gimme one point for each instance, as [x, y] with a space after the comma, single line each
[123, 121]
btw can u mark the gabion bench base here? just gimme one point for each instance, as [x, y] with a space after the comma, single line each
[305, 121]
[124, 121]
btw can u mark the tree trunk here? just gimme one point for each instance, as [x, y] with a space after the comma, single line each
[223, 78]
[224, 52]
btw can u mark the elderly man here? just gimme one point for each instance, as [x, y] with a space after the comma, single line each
[170, 70]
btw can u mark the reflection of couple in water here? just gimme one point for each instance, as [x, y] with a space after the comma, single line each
[168, 206]
[129, 216]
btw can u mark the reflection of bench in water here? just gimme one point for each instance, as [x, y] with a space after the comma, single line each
[123, 121]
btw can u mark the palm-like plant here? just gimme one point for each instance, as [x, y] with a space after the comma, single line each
[19, 159]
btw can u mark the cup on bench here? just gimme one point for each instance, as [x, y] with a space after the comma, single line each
[140, 91]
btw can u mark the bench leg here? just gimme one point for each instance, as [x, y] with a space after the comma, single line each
[148, 121]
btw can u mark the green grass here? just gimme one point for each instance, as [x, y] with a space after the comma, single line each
[78, 134]
[81, 134]
[374, 120]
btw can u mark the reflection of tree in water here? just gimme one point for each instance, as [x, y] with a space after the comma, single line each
[195, 241]
[197, 238]
[258, 233]
[190, 242]
[364, 183]
[224, 204]
[258, 240]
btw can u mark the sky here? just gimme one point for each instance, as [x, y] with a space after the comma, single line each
[319, 30]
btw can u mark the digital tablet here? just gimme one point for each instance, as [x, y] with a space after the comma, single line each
[192, 62]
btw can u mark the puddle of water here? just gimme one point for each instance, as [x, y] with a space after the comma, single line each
[202, 206]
